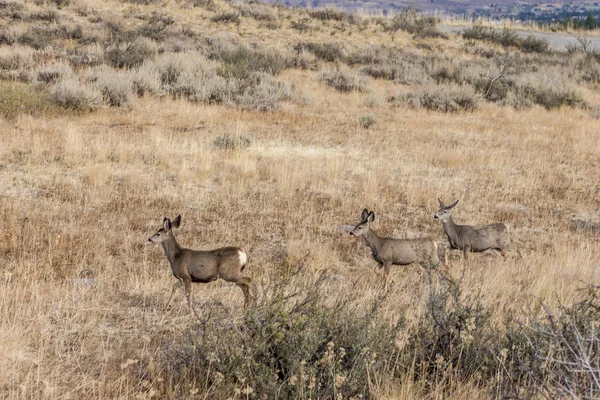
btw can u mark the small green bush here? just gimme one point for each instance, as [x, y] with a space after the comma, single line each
[230, 142]
[331, 14]
[326, 51]
[227, 18]
[532, 44]
[74, 95]
[366, 121]
[507, 38]
[444, 98]
[17, 98]
[257, 11]
[301, 25]
[409, 20]
[116, 87]
[342, 81]
[132, 54]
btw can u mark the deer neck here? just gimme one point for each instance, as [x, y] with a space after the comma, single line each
[450, 227]
[171, 248]
[373, 240]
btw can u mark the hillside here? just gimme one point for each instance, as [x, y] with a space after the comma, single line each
[268, 128]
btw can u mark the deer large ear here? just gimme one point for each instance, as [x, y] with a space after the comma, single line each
[167, 224]
[364, 215]
[451, 206]
[371, 217]
[442, 205]
[175, 223]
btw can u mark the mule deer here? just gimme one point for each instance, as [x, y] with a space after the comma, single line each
[390, 251]
[190, 266]
[472, 238]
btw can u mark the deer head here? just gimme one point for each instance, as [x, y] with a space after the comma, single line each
[164, 233]
[363, 226]
[445, 211]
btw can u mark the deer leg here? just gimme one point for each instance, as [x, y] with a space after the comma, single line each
[446, 257]
[245, 283]
[188, 294]
[386, 274]
[175, 286]
[466, 250]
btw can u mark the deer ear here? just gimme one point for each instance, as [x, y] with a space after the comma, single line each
[451, 206]
[175, 223]
[371, 217]
[364, 215]
[167, 224]
[442, 205]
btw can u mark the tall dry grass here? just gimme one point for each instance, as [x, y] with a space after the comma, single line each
[82, 292]
[85, 193]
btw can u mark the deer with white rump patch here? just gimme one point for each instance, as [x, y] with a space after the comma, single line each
[473, 238]
[390, 251]
[190, 266]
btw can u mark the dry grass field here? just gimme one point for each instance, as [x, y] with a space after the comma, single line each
[83, 190]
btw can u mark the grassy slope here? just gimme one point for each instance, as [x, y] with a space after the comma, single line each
[84, 192]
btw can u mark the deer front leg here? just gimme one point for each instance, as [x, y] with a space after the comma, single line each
[446, 257]
[188, 294]
[466, 250]
[175, 286]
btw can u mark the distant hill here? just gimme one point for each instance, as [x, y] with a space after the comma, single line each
[523, 9]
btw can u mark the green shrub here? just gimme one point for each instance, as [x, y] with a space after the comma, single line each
[227, 18]
[454, 334]
[132, 54]
[55, 72]
[331, 14]
[257, 11]
[240, 60]
[507, 38]
[555, 97]
[301, 25]
[532, 44]
[409, 20]
[74, 95]
[342, 81]
[295, 345]
[116, 87]
[18, 98]
[366, 121]
[558, 354]
[326, 51]
[229, 142]
[266, 95]
[445, 98]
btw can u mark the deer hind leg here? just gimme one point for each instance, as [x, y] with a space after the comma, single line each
[245, 283]
[386, 274]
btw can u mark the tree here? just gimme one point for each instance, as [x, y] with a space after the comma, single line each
[590, 22]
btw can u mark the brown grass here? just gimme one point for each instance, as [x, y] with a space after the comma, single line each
[84, 192]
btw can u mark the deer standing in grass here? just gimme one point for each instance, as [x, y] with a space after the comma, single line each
[472, 238]
[190, 266]
[390, 251]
